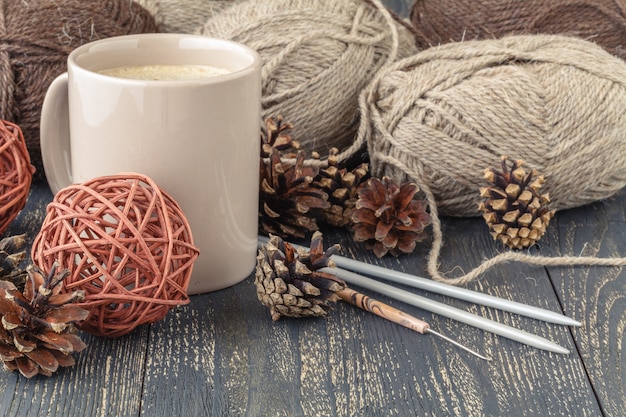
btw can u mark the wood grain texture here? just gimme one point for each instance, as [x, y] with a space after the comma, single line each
[222, 354]
[518, 374]
[596, 296]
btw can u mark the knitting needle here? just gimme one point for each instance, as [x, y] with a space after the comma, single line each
[450, 291]
[442, 309]
[455, 292]
[447, 311]
[397, 316]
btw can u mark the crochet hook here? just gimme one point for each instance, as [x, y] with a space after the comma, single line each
[397, 316]
[451, 291]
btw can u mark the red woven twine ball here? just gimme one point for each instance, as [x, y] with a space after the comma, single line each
[16, 173]
[126, 243]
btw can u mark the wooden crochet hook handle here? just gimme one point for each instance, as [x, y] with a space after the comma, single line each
[397, 316]
[383, 310]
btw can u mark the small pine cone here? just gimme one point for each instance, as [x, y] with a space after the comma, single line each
[342, 187]
[38, 332]
[388, 218]
[275, 136]
[11, 255]
[289, 282]
[517, 214]
[288, 204]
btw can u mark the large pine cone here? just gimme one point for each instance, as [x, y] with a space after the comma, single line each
[342, 186]
[289, 205]
[289, 281]
[388, 217]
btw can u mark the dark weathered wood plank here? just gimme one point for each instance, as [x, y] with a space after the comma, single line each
[518, 375]
[106, 381]
[597, 295]
[222, 354]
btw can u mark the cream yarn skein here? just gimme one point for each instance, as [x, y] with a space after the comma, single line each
[318, 55]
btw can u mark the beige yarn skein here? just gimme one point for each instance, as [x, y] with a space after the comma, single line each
[184, 16]
[442, 116]
[318, 55]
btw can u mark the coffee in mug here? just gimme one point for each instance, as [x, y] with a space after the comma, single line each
[198, 139]
[165, 72]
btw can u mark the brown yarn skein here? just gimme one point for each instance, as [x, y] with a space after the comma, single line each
[442, 116]
[600, 21]
[317, 57]
[35, 40]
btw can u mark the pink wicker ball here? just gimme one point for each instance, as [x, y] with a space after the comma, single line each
[16, 173]
[126, 243]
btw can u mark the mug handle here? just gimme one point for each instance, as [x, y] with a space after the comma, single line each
[54, 134]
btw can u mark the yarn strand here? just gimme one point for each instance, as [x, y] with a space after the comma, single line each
[506, 257]
[366, 95]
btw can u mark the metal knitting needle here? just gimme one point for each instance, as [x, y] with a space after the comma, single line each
[447, 311]
[455, 292]
[451, 291]
[442, 309]
[397, 316]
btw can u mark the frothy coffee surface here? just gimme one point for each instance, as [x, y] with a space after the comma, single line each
[165, 72]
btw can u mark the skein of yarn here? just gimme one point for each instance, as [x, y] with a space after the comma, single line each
[600, 21]
[317, 57]
[442, 116]
[36, 38]
[183, 16]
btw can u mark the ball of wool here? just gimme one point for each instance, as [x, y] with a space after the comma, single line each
[317, 57]
[443, 115]
[600, 21]
[184, 16]
[35, 40]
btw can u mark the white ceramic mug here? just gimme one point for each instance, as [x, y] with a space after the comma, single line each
[197, 139]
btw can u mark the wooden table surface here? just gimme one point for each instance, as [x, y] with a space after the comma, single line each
[221, 355]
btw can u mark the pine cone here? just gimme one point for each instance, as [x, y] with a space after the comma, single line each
[388, 218]
[289, 282]
[276, 137]
[517, 214]
[11, 255]
[288, 205]
[38, 333]
[342, 187]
